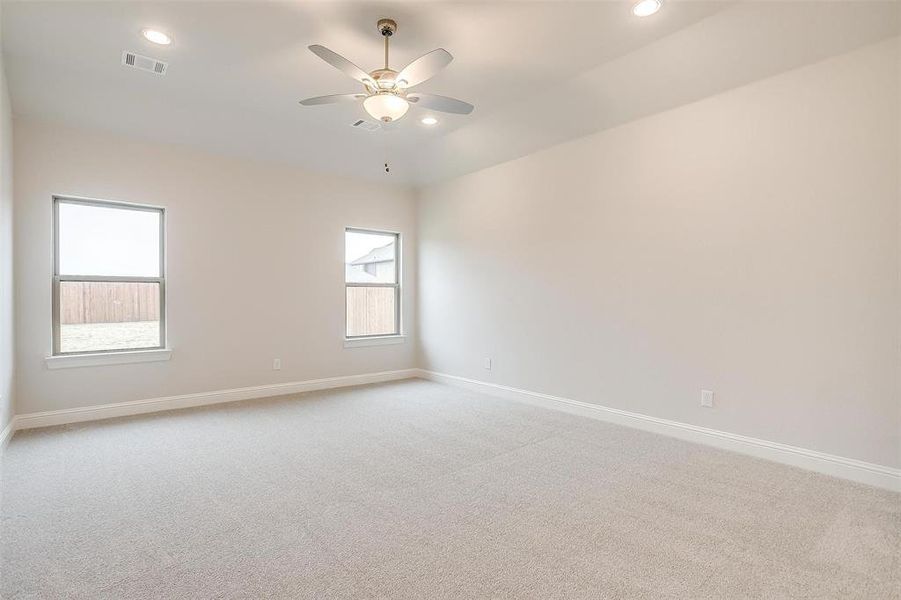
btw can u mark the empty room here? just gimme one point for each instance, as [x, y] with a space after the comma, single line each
[592, 299]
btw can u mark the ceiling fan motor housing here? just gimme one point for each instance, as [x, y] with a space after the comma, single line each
[385, 79]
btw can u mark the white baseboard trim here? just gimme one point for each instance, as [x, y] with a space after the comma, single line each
[837, 466]
[7, 433]
[137, 407]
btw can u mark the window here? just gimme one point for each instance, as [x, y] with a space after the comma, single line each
[372, 283]
[109, 285]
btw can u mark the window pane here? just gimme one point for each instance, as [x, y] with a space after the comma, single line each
[99, 240]
[370, 311]
[104, 315]
[369, 257]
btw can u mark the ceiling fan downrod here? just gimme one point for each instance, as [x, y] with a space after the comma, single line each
[387, 27]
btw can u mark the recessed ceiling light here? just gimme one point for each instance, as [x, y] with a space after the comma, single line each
[429, 121]
[646, 8]
[157, 37]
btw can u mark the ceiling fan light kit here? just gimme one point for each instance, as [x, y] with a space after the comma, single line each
[387, 97]
[385, 106]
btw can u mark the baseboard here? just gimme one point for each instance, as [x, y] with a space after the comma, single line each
[7, 433]
[837, 466]
[137, 407]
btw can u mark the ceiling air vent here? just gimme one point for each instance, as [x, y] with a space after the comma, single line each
[144, 63]
[365, 125]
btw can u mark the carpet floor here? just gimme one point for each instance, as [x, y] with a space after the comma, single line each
[418, 490]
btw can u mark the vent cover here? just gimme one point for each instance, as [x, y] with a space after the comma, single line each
[144, 63]
[365, 125]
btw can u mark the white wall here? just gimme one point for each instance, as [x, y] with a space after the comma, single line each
[255, 266]
[7, 326]
[747, 243]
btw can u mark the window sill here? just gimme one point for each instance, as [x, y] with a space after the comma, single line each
[107, 358]
[382, 340]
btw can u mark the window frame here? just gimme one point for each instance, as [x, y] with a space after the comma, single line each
[58, 278]
[398, 325]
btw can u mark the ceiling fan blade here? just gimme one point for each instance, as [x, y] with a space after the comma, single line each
[424, 67]
[441, 103]
[335, 99]
[342, 64]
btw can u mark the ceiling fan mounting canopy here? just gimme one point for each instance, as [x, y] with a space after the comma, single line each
[387, 27]
[387, 96]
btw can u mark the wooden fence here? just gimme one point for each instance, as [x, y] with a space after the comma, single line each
[108, 302]
[370, 310]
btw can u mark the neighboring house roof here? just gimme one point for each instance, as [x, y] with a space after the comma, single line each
[356, 274]
[377, 255]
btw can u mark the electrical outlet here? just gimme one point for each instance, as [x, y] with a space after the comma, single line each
[276, 364]
[707, 398]
[487, 364]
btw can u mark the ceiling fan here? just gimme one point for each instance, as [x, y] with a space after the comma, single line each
[386, 94]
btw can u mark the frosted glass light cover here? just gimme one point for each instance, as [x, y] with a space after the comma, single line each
[386, 107]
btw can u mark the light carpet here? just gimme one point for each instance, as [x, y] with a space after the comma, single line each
[419, 490]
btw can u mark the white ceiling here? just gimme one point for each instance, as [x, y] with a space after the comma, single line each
[539, 73]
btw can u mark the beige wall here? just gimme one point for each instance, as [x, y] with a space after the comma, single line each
[7, 325]
[747, 243]
[244, 239]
